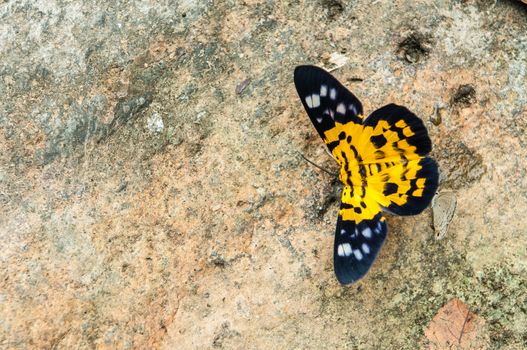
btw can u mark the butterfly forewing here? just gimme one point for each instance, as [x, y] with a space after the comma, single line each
[326, 101]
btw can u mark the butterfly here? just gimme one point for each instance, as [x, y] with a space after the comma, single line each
[443, 209]
[383, 165]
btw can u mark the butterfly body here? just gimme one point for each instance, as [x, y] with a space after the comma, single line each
[383, 166]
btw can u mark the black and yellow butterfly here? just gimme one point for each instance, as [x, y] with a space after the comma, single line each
[383, 166]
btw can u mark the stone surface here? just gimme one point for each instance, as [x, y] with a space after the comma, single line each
[146, 202]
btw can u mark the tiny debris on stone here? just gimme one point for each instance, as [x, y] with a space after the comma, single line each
[241, 86]
[217, 259]
[414, 47]
[464, 96]
[154, 123]
[122, 186]
[437, 115]
[334, 8]
[338, 60]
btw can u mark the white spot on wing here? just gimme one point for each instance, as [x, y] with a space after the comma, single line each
[316, 100]
[342, 232]
[353, 109]
[358, 254]
[323, 90]
[340, 250]
[341, 108]
[378, 229]
[332, 93]
[309, 101]
[356, 232]
[366, 232]
[344, 249]
[330, 113]
[365, 248]
[319, 120]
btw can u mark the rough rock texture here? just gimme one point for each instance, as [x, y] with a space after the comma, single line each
[147, 202]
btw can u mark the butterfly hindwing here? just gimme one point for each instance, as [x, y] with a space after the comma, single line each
[410, 194]
[326, 101]
[356, 246]
[400, 176]
[361, 231]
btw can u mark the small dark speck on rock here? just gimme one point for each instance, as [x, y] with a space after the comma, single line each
[414, 47]
[304, 272]
[225, 332]
[465, 95]
[436, 118]
[241, 86]
[122, 186]
[334, 8]
[355, 79]
[217, 259]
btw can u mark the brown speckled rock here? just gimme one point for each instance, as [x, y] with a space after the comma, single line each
[147, 202]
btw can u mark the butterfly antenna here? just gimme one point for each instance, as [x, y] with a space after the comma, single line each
[318, 166]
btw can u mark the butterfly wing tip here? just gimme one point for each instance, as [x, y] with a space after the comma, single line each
[345, 278]
[344, 281]
[300, 68]
[309, 70]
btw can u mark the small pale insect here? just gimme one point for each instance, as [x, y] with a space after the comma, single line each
[443, 209]
[384, 166]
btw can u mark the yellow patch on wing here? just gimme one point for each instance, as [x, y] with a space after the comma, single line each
[378, 168]
[357, 208]
[401, 179]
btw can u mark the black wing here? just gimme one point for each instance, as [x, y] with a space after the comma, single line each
[325, 99]
[357, 246]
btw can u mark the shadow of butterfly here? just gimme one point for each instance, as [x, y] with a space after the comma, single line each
[443, 209]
